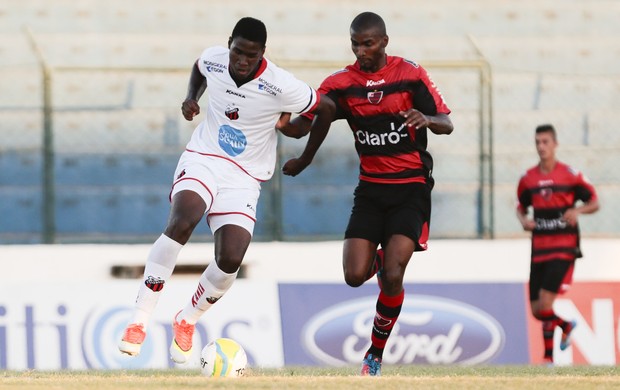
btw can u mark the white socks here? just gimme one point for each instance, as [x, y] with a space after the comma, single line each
[212, 285]
[159, 266]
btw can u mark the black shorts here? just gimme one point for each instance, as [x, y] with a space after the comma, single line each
[382, 210]
[553, 275]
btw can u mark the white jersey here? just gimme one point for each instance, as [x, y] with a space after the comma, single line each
[240, 121]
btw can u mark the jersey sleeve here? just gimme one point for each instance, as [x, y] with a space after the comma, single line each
[584, 190]
[524, 196]
[299, 97]
[427, 98]
[204, 60]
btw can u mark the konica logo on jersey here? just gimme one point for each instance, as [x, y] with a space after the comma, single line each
[429, 330]
[231, 140]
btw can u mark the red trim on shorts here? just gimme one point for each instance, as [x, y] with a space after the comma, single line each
[227, 159]
[423, 239]
[567, 281]
[233, 212]
[189, 178]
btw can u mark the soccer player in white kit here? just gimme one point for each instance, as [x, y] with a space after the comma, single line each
[220, 173]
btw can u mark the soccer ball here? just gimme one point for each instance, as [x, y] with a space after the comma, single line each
[223, 358]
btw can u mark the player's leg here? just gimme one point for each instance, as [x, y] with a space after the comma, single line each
[190, 198]
[406, 229]
[398, 251]
[231, 218]
[554, 282]
[360, 258]
[231, 243]
[186, 212]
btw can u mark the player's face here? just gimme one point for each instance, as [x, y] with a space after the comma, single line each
[369, 49]
[244, 57]
[545, 146]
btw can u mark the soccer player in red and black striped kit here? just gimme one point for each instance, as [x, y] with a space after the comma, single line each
[552, 189]
[389, 103]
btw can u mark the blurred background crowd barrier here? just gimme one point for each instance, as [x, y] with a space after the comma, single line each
[91, 129]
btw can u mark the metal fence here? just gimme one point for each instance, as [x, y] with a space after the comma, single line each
[98, 164]
[87, 153]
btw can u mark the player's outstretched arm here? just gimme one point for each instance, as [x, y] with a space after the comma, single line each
[324, 115]
[195, 88]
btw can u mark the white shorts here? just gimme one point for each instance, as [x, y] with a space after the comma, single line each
[231, 195]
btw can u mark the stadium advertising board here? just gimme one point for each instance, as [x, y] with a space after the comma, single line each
[438, 324]
[78, 325]
[596, 339]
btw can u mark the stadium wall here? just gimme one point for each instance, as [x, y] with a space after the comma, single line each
[61, 307]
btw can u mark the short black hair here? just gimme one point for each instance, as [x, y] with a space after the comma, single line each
[547, 128]
[368, 20]
[251, 29]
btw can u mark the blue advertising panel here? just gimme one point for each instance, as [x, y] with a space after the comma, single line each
[330, 324]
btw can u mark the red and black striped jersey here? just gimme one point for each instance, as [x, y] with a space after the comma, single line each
[550, 195]
[389, 151]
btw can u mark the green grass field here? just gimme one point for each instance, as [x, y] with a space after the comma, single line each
[395, 377]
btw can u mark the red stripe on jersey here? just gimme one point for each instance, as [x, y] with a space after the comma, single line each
[261, 68]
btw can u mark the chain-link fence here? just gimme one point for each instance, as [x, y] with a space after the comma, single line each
[89, 142]
[94, 160]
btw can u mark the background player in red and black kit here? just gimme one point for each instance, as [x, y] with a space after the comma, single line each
[552, 189]
[389, 103]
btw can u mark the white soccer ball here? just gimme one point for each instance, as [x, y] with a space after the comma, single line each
[223, 358]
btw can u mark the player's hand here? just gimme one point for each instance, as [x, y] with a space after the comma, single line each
[528, 225]
[570, 216]
[283, 121]
[294, 166]
[415, 119]
[190, 109]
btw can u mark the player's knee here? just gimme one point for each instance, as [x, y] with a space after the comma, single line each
[354, 279]
[228, 263]
[392, 282]
[180, 229]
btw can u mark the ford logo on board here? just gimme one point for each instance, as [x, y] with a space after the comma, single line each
[430, 330]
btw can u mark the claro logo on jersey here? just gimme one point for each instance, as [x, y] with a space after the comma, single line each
[394, 136]
[429, 330]
[231, 140]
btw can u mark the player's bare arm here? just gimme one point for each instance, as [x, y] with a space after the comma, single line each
[571, 215]
[324, 115]
[527, 223]
[195, 88]
[297, 128]
[438, 124]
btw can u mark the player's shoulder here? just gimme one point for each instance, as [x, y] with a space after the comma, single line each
[278, 75]
[528, 176]
[568, 170]
[214, 51]
[339, 79]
